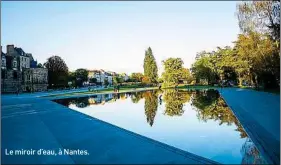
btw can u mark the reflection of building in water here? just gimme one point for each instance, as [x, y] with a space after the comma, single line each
[92, 101]
[251, 154]
[100, 99]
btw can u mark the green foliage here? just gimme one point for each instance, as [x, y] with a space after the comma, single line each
[260, 16]
[93, 80]
[210, 106]
[203, 68]
[174, 100]
[255, 57]
[57, 72]
[81, 75]
[117, 80]
[259, 58]
[150, 105]
[136, 97]
[174, 72]
[40, 65]
[258, 48]
[106, 83]
[136, 77]
[150, 67]
[145, 80]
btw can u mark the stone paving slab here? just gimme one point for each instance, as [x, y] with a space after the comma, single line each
[259, 114]
[48, 125]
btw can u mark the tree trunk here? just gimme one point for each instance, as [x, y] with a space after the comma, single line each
[240, 79]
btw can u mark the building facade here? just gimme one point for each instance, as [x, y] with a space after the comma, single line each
[3, 59]
[35, 79]
[18, 74]
[11, 81]
[101, 76]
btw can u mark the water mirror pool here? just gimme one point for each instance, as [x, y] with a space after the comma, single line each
[197, 121]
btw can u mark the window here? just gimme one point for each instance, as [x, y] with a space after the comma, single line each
[3, 73]
[15, 75]
[15, 64]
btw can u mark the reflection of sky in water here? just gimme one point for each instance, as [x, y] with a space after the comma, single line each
[208, 139]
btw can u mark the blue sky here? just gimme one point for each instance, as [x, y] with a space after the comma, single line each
[113, 35]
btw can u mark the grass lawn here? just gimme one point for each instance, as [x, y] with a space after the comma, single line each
[104, 91]
[132, 88]
[128, 88]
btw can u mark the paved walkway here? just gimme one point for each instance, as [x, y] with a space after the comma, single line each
[37, 123]
[259, 113]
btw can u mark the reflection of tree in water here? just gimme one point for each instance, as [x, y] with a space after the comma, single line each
[174, 101]
[150, 105]
[136, 97]
[210, 106]
[81, 102]
[123, 96]
[251, 154]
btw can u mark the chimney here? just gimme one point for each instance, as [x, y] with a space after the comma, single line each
[10, 49]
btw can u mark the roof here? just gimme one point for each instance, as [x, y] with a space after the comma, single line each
[2, 54]
[20, 51]
[29, 55]
[94, 71]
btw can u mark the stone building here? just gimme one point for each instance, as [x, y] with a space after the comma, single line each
[3, 59]
[19, 72]
[11, 81]
[35, 79]
[18, 57]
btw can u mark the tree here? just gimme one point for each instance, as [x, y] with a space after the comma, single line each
[150, 105]
[81, 76]
[172, 74]
[57, 71]
[174, 101]
[137, 77]
[93, 80]
[106, 83]
[136, 97]
[202, 69]
[117, 80]
[260, 16]
[72, 79]
[260, 58]
[40, 65]
[186, 76]
[150, 66]
[145, 80]
[211, 106]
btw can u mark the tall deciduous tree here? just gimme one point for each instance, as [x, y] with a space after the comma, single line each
[136, 77]
[173, 71]
[174, 101]
[260, 16]
[150, 106]
[202, 69]
[150, 66]
[81, 76]
[57, 71]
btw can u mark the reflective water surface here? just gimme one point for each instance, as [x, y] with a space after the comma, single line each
[199, 122]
